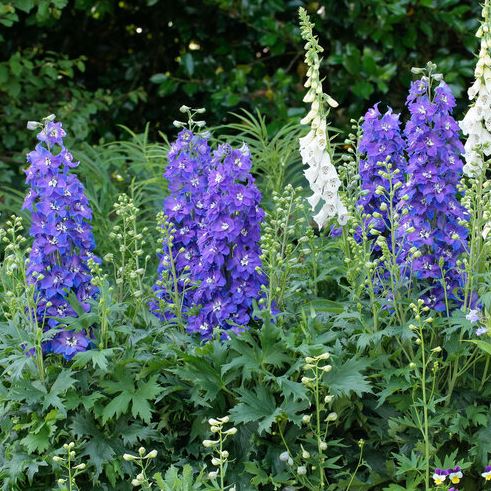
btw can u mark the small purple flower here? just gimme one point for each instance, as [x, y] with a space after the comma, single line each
[439, 476]
[487, 473]
[455, 475]
[473, 316]
[481, 330]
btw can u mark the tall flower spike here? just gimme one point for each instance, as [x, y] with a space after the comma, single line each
[228, 272]
[62, 233]
[434, 223]
[315, 147]
[477, 122]
[381, 144]
[186, 173]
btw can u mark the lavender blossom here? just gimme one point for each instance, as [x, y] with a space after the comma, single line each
[435, 220]
[63, 240]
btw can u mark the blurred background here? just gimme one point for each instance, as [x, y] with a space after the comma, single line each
[98, 64]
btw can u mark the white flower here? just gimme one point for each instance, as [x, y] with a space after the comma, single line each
[320, 172]
[284, 456]
[477, 122]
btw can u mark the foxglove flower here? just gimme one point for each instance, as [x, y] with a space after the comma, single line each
[435, 218]
[189, 158]
[477, 122]
[315, 147]
[229, 267]
[381, 142]
[63, 240]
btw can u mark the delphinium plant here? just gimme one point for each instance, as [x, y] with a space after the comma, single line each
[312, 459]
[182, 218]
[129, 260]
[18, 303]
[71, 470]
[220, 456]
[211, 231]
[229, 268]
[382, 168]
[435, 220]
[315, 147]
[63, 242]
[142, 461]
[284, 235]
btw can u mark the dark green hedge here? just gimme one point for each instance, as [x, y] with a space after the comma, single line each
[99, 63]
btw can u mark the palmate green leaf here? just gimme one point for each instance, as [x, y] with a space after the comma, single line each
[255, 356]
[206, 380]
[61, 385]
[256, 406]
[39, 441]
[117, 406]
[174, 481]
[347, 378]
[138, 397]
[98, 447]
[98, 358]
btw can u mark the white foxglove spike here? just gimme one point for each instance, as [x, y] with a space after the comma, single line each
[316, 153]
[476, 123]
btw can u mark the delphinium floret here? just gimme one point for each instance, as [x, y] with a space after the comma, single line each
[63, 241]
[435, 221]
[315, 147]
[228, 270]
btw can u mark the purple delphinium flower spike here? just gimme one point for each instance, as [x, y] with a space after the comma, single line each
[189, 158]
[433, 224]
[381, 142]
[63, 240]
[228, 271]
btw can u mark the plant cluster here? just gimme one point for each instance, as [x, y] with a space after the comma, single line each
[345, 347]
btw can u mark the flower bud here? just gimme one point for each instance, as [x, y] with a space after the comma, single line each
[151, 455]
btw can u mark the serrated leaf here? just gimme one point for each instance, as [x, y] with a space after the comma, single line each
[37, 442]
[258, 406]
[347, 378]
[141, 407]
[118, 406]
[98, 358]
